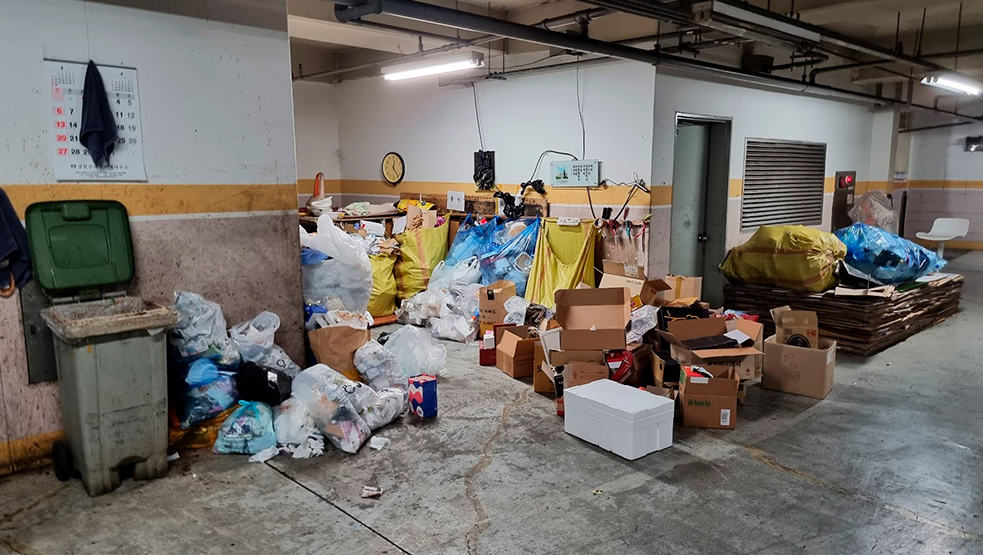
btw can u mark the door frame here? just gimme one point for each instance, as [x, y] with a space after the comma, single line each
[728, 123]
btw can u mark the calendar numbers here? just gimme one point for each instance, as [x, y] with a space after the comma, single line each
[72, 161]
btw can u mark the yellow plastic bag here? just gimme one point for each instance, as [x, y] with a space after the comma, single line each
[564, 258]
[420, 251]
[382, 302]
[200, 436]
[788, 256]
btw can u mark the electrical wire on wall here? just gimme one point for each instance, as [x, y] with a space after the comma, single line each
[477, 118]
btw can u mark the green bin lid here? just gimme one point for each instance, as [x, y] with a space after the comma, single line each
[79, 245]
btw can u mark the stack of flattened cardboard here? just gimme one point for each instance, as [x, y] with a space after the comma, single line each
[591, 321]
[860, 325]
[797, 360]
[728, 351]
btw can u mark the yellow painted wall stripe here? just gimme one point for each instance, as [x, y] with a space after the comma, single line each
[147, 199]
[29, 452]
[610, 194]
[306, 186]
[735, 187]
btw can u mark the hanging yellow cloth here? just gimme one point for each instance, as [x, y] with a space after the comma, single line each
[564, 258]
[382, 302]
[420, 251]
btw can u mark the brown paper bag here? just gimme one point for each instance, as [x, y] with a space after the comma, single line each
[335, 346]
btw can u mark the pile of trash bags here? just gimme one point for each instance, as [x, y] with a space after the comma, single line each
[789, 256]
[508, 253]
[449, 304]
[337, 274]
[885, 257]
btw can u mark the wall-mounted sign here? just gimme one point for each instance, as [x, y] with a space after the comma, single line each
[71, 159]
[575, 173]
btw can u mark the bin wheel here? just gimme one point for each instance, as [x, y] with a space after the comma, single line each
[61, 456]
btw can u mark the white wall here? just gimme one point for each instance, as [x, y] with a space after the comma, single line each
[242, 134]
[434, 128]
[316, 129]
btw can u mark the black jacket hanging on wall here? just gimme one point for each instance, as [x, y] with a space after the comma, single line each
[15, 258]
[97, 131]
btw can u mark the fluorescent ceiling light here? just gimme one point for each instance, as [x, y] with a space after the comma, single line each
[955, 83]
[714, 13]
[433, 66]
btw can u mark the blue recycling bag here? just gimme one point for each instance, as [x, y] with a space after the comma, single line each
[248, 430]
[510, 258]
[885, 256]
[470, 239]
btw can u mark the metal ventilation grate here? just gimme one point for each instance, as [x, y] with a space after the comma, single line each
[783, 183]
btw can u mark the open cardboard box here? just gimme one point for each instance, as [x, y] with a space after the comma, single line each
[681, 287]
[799, 370]
[491, 303]
[796, 327]
[590, 319]
[746, 362]
[516, 350]
[709, 402]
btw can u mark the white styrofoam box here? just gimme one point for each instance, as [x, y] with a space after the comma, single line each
[629, 422]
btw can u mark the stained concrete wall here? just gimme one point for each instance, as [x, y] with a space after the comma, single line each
[218, 213]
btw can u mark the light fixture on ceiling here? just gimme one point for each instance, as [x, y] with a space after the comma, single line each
[433, 66]
[954, 82]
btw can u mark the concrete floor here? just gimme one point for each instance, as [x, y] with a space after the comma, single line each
[891, 461]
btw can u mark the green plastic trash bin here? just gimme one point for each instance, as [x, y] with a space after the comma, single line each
[110, 349]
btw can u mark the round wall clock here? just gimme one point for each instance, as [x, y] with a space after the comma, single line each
[393, 168]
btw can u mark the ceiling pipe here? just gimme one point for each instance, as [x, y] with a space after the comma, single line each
[411, 9]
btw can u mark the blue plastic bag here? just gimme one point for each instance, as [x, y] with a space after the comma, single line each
[212, 392]
[510, 258]
[470, 240]
[886, 257]
[248, 430]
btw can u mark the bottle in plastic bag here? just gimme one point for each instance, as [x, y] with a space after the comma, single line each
[327, 396]
[254, 339]
[201, 329]
[248, 430]
[344, 281]
[210, 393]
[379, 367]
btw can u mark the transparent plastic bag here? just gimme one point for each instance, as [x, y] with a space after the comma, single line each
[886, 257]
[205, 399]
[643, 319]
[515, 308]
[327, 395]
[454, 327]
[295, 430]
[874, 208]
[470, 239]
[379, 367]
[510, 255]
[456, 277]
[201, 329]
[384, 407]
[254, 339]
[417, 351]
[345, 280]
[248, 430]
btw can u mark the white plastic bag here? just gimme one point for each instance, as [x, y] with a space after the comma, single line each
[417, 351]
[454, 327]
[643, 319]
[456, 277]
[254, 339]
[379, 367]
[344, 281]
[327, 396]
[295, 430]
[515, 308]
[200, 329]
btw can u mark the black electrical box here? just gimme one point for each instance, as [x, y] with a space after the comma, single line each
[484, 169]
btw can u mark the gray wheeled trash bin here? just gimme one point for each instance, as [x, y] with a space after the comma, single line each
[110, 349]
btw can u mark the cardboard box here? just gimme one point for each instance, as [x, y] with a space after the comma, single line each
[681, 287]
[709, 402]
[491, 303]
[799, 370]
[745, 362]
[336, 346]
[667, 392]
[796, 327]
[618, 274]
[579, 367]
[643, 365]
[591, 319]
[665, 370]
[515, 352]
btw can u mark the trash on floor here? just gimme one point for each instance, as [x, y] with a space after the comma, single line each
[379, 443]
[371, 491]
[423, 396]
[248, 430]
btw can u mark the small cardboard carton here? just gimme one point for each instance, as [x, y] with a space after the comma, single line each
[796, 327]
[592, 319]
[643, 365]
[667, 392]
[491, 303]
[681, 287]
[515, 353]
[579, 367]
[651, 291]
[335, 346]
[799, 370]
[665, 370]
[709, 402]
[745, 362]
